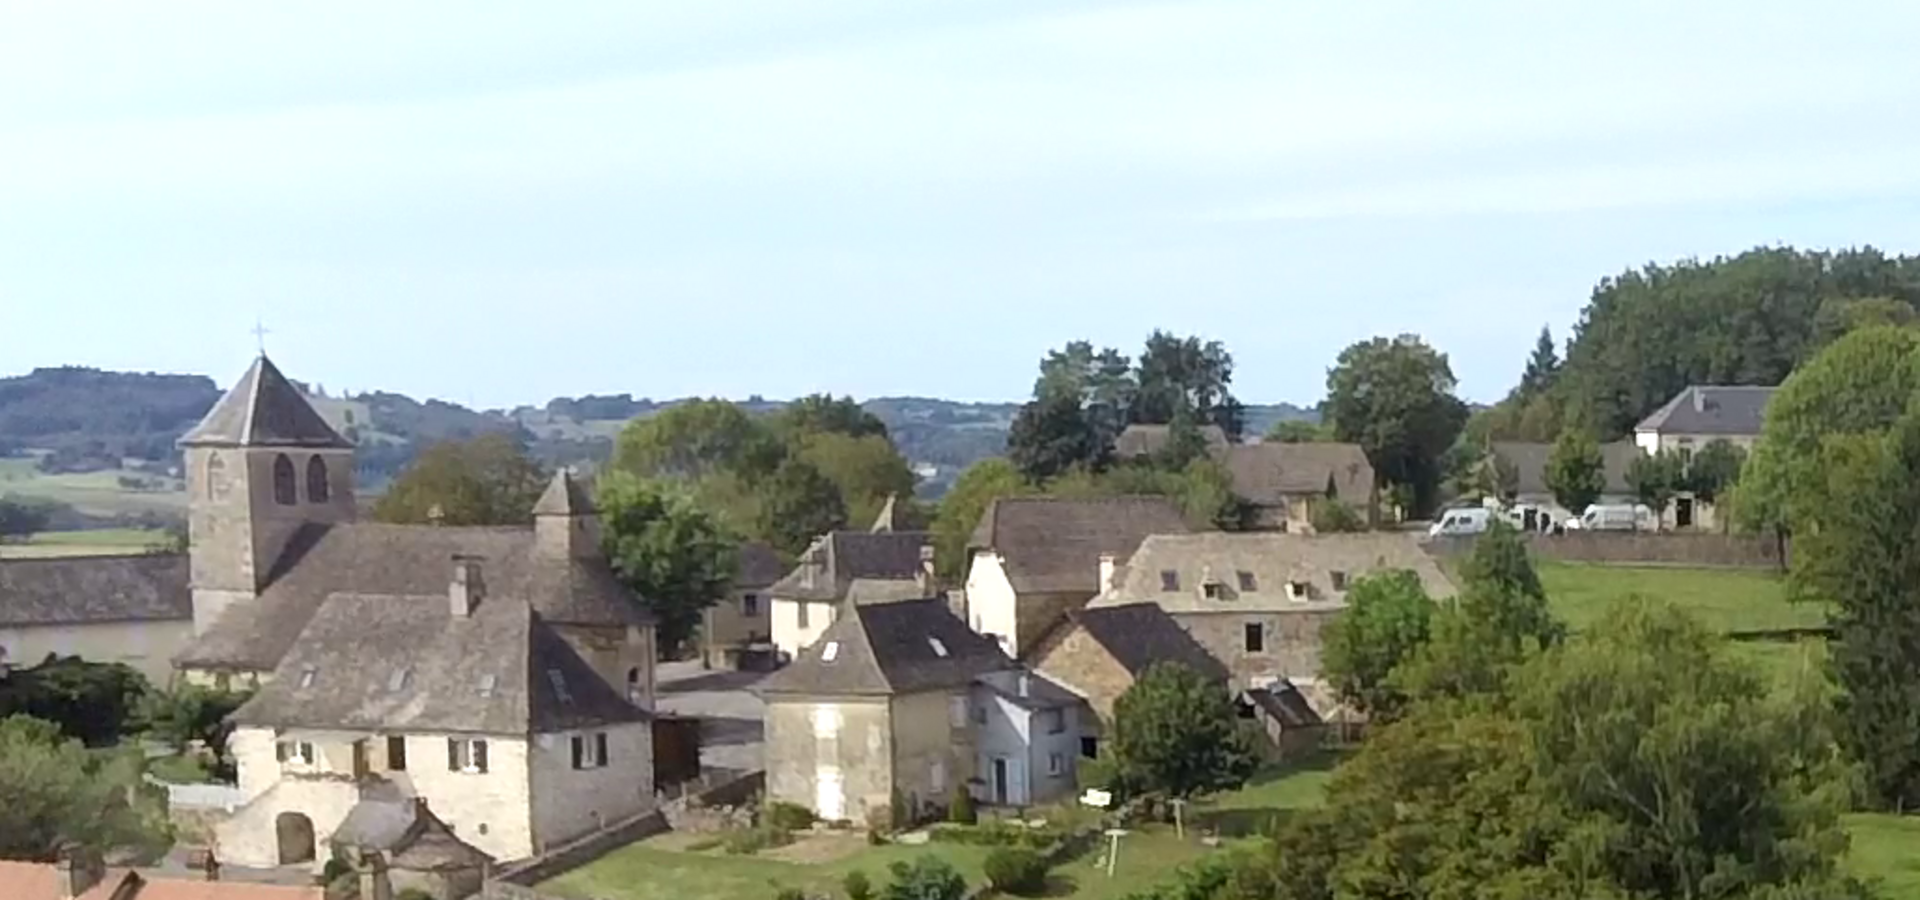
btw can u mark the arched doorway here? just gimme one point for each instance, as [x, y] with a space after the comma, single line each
[295, 833]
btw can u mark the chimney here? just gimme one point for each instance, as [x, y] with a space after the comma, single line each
[80, 868]
[923, 576]
[1699, 400]
[1107, 563]
[374, 883]
[812, 563]
[1026, 684]
[468, 587]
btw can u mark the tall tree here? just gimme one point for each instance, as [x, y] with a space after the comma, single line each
[1387, 620]
[1655, 478]
[827, 414]
[1858, 551]
[1102, 381]
[487, 480]
[696, 438]
[1299, 431]
[1394, 397]
[667, 550]
[55, 793]
[1576, 472]
[1714, 469]
[963, 505]
[1542, 367]
[798, 504]
[1051, 435]
[1174, 372]
[866, 470]
[1177, 733]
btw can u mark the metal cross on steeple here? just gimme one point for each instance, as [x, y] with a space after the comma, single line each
[260, 336]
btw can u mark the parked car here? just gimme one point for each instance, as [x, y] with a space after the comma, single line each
[1618, 517]
[1465, 520]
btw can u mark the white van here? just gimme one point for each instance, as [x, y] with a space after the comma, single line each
[1618, 517]
[1466, 520]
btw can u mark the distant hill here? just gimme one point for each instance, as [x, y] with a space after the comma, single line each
[78, 420]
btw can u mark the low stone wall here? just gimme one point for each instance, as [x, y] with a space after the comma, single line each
[1643, 548]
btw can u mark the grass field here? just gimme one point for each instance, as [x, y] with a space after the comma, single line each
[1887, 848]
[96, 542]
[94, 493]
[1725, 600]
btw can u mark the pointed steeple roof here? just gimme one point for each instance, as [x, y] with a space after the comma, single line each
[564, 496]
[264, 410]
[889, 518]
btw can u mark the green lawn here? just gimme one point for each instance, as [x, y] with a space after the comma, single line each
[1727, 600]
[93, 542]
[1887, 848]
[178, 770]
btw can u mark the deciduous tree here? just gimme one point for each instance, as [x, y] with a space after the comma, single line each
[797, 504]
[487, 480]
[1576, 473]
[1655, 478]
[1394, 397]
[1176, 372]
[961, 508]
[827, 414]
[1299, 431]
[667, 550]
[1387, 620]
[1177, 733]
[1050, 436]
[54, 793]
[866, 470]
[693, 439]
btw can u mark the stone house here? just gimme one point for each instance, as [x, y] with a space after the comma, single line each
[1280, 483]
[503, 673]
[1285, 716]
[135, 610]
[843, 568]
[874, 721]
[1098, 652]
[401, 839]
[1034, 559]
[1257, 601]
[1027, 733]
[1694, 418]
[1530, 459]
[740, 624]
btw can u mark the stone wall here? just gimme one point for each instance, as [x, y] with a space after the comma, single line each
[1639, 548]
[1290, 641]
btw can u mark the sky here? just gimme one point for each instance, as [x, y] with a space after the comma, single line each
[496, 203]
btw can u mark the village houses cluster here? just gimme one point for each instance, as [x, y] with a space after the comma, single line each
[444, 699]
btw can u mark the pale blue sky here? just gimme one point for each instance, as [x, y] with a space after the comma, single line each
[495, 203]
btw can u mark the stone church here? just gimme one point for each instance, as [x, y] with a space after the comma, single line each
[502, 676]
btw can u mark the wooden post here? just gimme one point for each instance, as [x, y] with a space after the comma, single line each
[1113, 848]
[1179, 819]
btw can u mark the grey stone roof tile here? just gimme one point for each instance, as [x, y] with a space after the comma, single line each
[263, 410]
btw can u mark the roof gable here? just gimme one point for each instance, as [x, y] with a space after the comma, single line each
[1136, 441]
[564, 496]
[1266, 474]
[890, 648]
[1054, 544]
[1137, 635]
[1731, 410]
[837, 559]
[263, 410]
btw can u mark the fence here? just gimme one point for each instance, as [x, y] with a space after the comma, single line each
[1643, 548]
[223, 797]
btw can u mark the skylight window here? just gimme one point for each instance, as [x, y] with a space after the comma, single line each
[487, 684]
[307, 675]
[559, 685]
[831, 650]
[400, 678]
[1169, 580]
[939, 649]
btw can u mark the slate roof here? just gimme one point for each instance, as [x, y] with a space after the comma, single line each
[1266, 474]
[1054, 544]
[838, 558]
[1038, 692]
[1146, 440]
[404, 828]
[1530, 463]
[263, 410]
[1271, 561]
[41, 881]
[412, 560]
[1283, 703]
[90, 589]
[760, 566]
[887, 649]
[1731, 410]
[1137, 635]
[407, 663]
[565, 496]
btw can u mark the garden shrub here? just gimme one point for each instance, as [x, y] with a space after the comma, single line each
[857, 886]
[787, 816]
[961, 809]
[748, 841]
[1016, 870]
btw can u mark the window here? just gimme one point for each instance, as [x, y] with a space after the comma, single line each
[284, 492]
[317, 489]
[216, 477]
[939, 649]
[1256, 638]
[466, 755]
[980, 714]
[1056, 721]
[1169, 580]
[1339, 580]
[831, 650]
[396, 753]
[1246, 581]
[559, 683]
[1244, 708]
[1090, 747]
[749, 604]
[299, 753]
[938, 775]
[800, 614]
[1299, 590]
[958, 708]
[487, 683]
[307, 676]
[1213, 590]
[590, 751]
[400, 679]
[1056, 764]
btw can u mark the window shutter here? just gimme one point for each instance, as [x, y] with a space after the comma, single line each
[280, 751]
[480, 755]
[579, 751]
[600, 748]
[453, 755]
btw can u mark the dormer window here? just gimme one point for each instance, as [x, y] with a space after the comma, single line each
[1169, 580]
[1299, 590]
[299, 753]
[1339, 580]
[1214, 590]
[1247, 583]
[939, 649]
[307, 676]
[830, 651]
